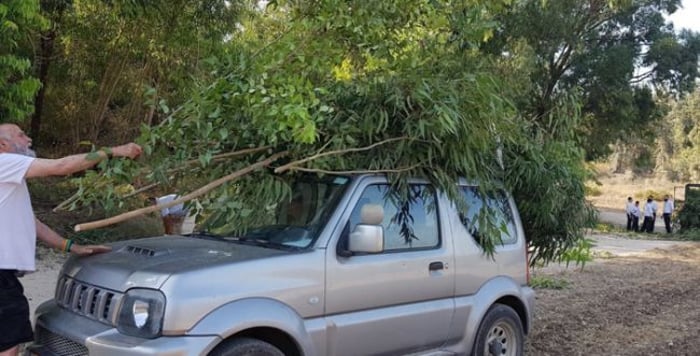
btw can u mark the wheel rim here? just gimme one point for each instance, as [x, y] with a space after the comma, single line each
[501, 340]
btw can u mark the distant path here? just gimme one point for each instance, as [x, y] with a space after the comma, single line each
[619, 218]
[620, 246]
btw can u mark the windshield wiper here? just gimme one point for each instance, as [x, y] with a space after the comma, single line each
[206, 235]
[262, 243]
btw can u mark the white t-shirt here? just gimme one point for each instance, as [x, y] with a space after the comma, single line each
[668, 206]
[635, 211]
[650, 209]
[17, 223]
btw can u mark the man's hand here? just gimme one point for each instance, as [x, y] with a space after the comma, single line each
[88, 250]
[129, 150]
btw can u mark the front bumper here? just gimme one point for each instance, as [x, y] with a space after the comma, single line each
[62, 333]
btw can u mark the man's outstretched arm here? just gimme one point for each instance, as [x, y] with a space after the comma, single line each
[53, 239]
[70, 164]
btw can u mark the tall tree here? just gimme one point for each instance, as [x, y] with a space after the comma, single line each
[341, 87]
[116, 60]
[614, 53]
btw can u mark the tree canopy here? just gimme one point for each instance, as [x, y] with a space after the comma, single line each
[615, 54]
[336, 87]
[18, 20]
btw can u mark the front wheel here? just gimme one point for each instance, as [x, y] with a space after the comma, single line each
[245, 346]
[500, 333]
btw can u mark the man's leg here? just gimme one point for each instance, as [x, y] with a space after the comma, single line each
[15, 327]
[667, 222]
[629, 222]
[645, 224]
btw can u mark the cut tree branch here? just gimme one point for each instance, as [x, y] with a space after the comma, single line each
[197, 193]
[370, 171]
[290, 165]
[218, 157]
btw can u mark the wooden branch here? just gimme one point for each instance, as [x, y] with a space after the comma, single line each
[369, 171]
[288, 166]
[221, 156]
[197, 193]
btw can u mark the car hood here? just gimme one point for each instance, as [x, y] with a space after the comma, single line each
[148, 263]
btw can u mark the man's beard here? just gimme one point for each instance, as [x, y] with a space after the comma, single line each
[25, 151]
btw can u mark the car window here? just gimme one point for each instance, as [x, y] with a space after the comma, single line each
[411, 226]
[477, 216]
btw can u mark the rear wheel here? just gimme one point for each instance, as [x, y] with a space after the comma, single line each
[500, 333]
[245, 346]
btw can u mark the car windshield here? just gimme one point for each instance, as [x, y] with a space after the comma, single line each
[296, 221]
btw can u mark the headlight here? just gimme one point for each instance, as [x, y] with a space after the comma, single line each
[141, 313]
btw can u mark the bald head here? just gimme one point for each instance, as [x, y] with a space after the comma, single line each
[6, 131]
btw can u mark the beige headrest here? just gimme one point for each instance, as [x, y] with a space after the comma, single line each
[372, 214]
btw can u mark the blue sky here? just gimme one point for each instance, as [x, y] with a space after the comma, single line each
[688, 16]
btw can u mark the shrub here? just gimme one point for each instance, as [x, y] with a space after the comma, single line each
[656, 194]
[689, 215]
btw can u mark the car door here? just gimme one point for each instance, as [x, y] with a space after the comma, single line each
[398, 301]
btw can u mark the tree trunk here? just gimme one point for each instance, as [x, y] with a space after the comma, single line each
[43, 62]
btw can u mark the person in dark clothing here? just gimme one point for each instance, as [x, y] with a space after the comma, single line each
[668, 210]
[628, 209]
[635, 216]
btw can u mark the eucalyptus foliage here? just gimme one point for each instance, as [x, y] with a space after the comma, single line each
[344, 87]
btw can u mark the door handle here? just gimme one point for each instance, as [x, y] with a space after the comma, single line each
[434, 266]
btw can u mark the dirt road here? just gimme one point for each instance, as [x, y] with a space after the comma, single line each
[640, 300]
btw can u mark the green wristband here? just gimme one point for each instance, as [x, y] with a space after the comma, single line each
[68, 245]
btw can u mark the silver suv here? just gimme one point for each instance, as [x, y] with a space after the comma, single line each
[339, 269]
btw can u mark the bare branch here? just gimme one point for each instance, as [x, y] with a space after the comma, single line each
[288, 166]
[197, 193]
[641, 77]
[141, 190]
[62, 205]
[231, 154]
[370, 171]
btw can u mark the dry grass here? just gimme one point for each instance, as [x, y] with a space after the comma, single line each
[611, 190]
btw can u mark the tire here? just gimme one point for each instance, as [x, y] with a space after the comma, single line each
[500, 333]
[245, 346]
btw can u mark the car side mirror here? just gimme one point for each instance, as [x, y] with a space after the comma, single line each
[367, 239]
[368, 236]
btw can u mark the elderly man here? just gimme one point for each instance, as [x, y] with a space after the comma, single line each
[19, 228]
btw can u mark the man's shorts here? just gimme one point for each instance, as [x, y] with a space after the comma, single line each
[15, 326]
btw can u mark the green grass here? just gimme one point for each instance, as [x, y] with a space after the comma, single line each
[608, 228]
[548, 283]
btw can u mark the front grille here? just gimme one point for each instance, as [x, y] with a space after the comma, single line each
[84, 299]
[58, 344]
